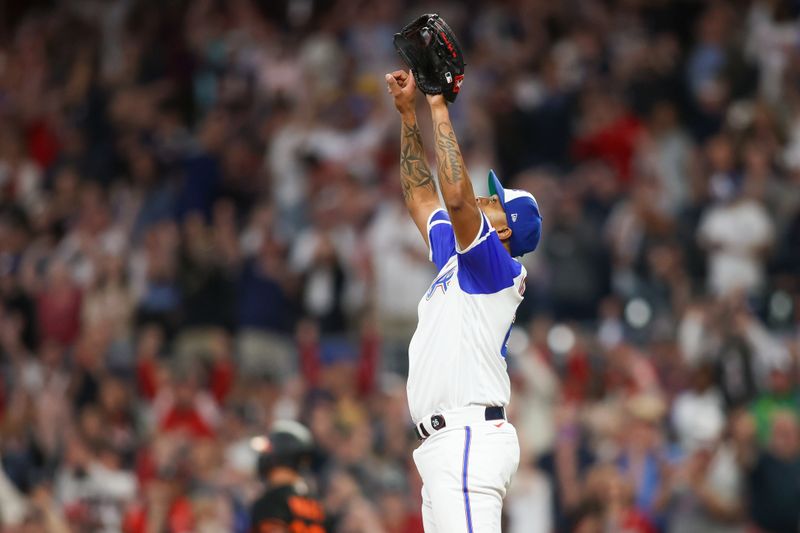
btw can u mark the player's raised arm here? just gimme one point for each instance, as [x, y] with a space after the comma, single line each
[454, 182]
[419, 187]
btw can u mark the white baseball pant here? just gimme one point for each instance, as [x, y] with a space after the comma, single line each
[466, 470]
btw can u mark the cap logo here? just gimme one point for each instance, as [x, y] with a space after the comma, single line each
[513, 217]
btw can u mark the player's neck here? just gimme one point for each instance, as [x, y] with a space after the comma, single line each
[281, 475]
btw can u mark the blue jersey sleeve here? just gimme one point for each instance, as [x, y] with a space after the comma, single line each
[441, 240]
[485, 266]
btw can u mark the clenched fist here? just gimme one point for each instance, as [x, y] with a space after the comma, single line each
[403, 89]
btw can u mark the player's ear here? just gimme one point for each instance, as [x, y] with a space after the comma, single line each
[503, 233]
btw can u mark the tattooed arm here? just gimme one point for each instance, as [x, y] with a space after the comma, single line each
[419, 186]
[454, 182]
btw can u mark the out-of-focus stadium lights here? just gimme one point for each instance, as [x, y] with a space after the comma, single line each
[560, 338]
[260, 444]
[780, 306]
[638, 313]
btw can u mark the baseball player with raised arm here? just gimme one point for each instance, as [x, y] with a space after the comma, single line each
[458, 385]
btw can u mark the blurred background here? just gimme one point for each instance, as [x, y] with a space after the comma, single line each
[201, 231]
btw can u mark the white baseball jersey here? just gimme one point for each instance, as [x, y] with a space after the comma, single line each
[457, 354]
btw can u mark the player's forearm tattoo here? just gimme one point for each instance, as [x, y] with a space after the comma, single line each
[450, 164]
[414, 171]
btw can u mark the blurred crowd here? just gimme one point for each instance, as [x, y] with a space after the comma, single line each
[202, 231]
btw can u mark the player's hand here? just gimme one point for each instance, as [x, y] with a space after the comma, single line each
[403, 89]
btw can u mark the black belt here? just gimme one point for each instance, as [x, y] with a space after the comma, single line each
[438, 421]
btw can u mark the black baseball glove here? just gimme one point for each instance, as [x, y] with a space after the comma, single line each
[430, 49]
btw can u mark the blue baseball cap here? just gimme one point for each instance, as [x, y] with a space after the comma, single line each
[522, 214]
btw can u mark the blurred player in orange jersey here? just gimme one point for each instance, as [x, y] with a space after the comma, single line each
[287, 505]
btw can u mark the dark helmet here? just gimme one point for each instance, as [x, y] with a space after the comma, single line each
[288, 444]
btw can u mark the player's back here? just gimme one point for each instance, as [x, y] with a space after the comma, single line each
[457, 354]
[285, 508]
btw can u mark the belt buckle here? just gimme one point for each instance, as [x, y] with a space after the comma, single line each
[438, 422]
